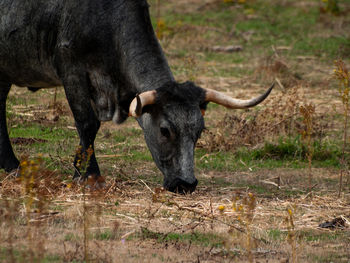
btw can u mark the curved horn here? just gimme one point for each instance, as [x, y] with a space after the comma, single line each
[222, 99]
[141, 100]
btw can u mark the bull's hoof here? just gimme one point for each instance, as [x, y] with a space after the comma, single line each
[9, 166]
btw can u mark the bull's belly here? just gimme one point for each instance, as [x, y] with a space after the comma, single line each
[26, 76]
[36, 83]
[27, 41]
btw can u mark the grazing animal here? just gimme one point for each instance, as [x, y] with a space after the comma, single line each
[106, 56]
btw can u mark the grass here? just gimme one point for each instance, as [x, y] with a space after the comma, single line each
[288, 152]
[311, 236]
[105, 235]
[272, 25]
[137, 221]
[197, 238]
[334, 257]
[21, 255]
[277, 235]
[38, 131]
[294, 149]
[70, 237]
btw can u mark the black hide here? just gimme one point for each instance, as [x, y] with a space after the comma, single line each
[103, 52]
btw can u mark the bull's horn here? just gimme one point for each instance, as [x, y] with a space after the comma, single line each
[141, 100]
[222, 99]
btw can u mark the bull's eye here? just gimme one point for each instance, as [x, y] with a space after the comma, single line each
[165, 132]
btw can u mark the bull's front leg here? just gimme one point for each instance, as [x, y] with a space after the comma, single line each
[87, 124]
[8, 160]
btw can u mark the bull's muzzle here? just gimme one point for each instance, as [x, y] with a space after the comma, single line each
[181, 186]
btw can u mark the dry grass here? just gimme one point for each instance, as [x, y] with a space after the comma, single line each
[281, 117]
[117, 214]
[133, 220]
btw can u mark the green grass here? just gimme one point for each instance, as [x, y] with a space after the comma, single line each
[157, 179]
[277, 234]
[241, 161]
[20, 100]
[315, 236]
[201, 239]
[57, 142]
[290, 148]
[224, 58]
[287, 152]
[210, 18]
[71, 237]
[35, 130]
[303, 29]
[24, 255]
[309, 235]
[105, 235]
[137, 155]
[331, 47]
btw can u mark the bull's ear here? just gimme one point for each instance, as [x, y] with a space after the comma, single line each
[138, 109]
[140, 101]
[203, 107]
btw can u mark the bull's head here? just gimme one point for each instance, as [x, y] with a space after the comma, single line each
[172, 119]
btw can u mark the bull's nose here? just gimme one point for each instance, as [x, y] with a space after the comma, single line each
[182, 187]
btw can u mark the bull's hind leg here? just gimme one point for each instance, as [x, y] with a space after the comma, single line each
[8, 160]
[87, 125]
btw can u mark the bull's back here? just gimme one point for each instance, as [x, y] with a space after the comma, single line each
[28, 37]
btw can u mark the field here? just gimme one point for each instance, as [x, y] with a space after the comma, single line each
[268, 176]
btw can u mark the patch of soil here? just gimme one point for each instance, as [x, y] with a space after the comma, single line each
[26, 141]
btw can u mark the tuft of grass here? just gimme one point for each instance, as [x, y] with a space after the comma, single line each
[202, 239]
[307, 112]
[294, 148]
[286, 152]
[244, 212]
[71, 237]
[21, 255]
[313, 236]
[105, 235]
[276, 234]
[291, 236]
[343, 76]
[330, 6]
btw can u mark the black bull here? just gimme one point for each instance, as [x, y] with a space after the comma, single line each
[104, 53]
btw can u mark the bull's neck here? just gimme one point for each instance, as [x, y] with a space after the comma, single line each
[143, 63]
[146, 69]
